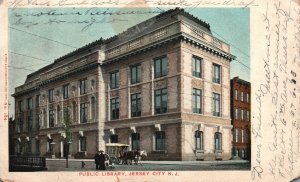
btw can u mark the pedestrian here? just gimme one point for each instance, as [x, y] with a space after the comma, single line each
[97, 160]
[102, 160]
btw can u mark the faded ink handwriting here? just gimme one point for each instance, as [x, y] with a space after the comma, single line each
[84, 17]
[278, 83]
[89, 12]
[87, 23]
[181, 3]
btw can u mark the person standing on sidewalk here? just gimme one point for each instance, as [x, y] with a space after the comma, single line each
[97, 160]
[102, 160]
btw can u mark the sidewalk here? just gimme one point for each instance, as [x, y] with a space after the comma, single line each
[89, 165]
[163, 162]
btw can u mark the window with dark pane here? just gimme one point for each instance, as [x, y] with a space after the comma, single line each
[199, 140]
[216, 73]
[114, 138]
[114, 80]
[160, 67]
[218, 141]
[82, 143]
[51, 118]
[135, 141]
[135, 73]
[83, 113]
[216, 104]
[197, 101]
[50, 95]
[160, 140]
[197, 66]
[66, 91]
[161, 101]
[83, 86]
[114, 108]
[136, 105]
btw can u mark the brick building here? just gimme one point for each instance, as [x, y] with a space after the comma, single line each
[162, 86]
[241, 117]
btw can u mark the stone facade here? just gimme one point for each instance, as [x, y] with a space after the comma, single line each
[100, 92]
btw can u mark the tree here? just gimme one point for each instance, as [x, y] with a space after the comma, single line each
[68, 132]
[67, 125]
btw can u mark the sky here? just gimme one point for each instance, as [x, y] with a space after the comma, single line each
[38, 36]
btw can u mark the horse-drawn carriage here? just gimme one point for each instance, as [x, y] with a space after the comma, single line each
[119, 153]
[114, 151]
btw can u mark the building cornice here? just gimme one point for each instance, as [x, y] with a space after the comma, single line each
[199, 44]
[56, 78]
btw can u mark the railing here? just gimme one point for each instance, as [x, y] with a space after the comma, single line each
[27, 161]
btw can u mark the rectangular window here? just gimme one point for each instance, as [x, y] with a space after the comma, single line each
[83, 86]
[242, 135]
[83, 113]
[29, 103]
[236, 135]
[135, 140]
[114, 108]
[114, 139]
[37, 146]
[30, 121]
[248, 116]
[236, 113]
[160, 140]
[197, 101]
[28, 146]
[50, 95]
[135, 73]
[20, 105]
[37, 124]
[218, 141]
[161, 101]
[50, 146]
[114, 80]
[160, 67]
[20, 125]
[197, 67]
[242, 96]
[242, 114]
[236, 94]
[199, 140]
[66, 91]
[136, 105]
[82, 144]
[248, 98]
[216, 104]
[51, 118]
[37, 101]
[216, 73]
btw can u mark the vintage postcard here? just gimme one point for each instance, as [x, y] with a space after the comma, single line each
[150, 90]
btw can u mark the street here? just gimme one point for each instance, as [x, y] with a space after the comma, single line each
[76, 165]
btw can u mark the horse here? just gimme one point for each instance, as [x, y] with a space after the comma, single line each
[135, 156]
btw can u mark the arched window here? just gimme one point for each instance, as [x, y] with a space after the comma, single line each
[160, 140]
[199, 140]
[135, 141]
[218, 141]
